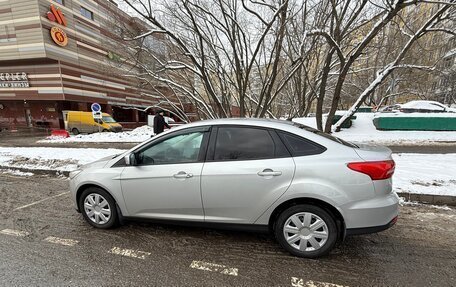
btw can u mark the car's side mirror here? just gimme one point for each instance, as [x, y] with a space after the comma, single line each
[130, 159]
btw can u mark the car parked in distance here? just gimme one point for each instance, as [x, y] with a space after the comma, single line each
[425, 107]
[77, 122]
[390, 109]
[308, 188]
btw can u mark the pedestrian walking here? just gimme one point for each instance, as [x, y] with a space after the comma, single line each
[159, 123]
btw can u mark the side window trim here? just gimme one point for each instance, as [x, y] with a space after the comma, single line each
[211, 144]
[279, 142]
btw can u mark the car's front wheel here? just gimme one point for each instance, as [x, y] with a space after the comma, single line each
[98, 208]
[306, 231]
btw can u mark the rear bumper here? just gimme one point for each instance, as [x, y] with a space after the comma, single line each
[373, 229]
[373, 212]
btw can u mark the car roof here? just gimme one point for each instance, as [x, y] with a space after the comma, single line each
[270, 123]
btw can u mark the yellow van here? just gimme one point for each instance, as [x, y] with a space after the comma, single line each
[83, 122]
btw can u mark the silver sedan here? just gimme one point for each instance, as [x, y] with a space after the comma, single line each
[308, 188]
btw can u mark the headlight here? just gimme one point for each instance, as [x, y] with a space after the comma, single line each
[74, 173]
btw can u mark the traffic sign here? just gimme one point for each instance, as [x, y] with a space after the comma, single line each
[97, 115]
[95, 107]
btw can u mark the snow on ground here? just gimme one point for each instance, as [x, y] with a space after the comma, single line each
[137, 135]
[48, 158]
[15, 172]
[425, 173]
[364, 131]
[415, 173]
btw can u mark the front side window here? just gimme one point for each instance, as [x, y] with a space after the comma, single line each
[243, 143]
[87, 13]
[108, 119]
[183, 148]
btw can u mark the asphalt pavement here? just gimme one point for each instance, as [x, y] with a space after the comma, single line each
[45, 242]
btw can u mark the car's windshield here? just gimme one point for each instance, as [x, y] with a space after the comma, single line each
[325, 135]
[108, 119]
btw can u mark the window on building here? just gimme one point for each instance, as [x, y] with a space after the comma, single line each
[59, 1]
[87, 13]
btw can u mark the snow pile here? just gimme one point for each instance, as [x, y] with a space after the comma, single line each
[15, 172]
[425, 173]
[364, 131]
[47, 158]
[139, 134]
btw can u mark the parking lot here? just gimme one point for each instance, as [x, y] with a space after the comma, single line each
[43, 241]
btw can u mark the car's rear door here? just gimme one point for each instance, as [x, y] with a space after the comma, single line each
[246, 170]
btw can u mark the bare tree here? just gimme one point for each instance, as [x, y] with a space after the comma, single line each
[433, 22]
[275, 58]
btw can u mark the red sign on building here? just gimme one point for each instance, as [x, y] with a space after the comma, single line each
[56, 15]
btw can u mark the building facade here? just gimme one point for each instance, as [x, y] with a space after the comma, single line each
[58, 55]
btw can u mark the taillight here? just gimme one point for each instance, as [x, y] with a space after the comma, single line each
[375, 169]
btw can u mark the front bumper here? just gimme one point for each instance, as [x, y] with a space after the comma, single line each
[73, 194]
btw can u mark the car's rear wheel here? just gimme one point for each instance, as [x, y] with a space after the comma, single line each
[306, 231]
[75, 131]
[98, 208]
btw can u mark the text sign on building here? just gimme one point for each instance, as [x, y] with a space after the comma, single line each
[14, 80]
[59, 36]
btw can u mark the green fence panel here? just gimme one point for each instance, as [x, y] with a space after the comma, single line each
[416, 123]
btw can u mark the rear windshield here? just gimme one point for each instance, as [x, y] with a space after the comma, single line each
[325, 135]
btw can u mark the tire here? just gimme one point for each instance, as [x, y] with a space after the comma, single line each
[75, 131]
[306, 242]
[103, 213]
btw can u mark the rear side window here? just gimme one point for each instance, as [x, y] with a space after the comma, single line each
[243, 143]
[299, 146]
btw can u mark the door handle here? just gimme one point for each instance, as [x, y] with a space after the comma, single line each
[182, 174]
[269, 172]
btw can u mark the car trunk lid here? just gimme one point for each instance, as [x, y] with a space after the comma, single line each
[373, 153]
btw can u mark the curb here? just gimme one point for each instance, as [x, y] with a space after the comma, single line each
[429, 198]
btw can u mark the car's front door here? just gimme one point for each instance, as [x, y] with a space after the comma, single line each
[164, 183]
[248, 168]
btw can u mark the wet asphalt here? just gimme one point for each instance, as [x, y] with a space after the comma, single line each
[419, 251]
